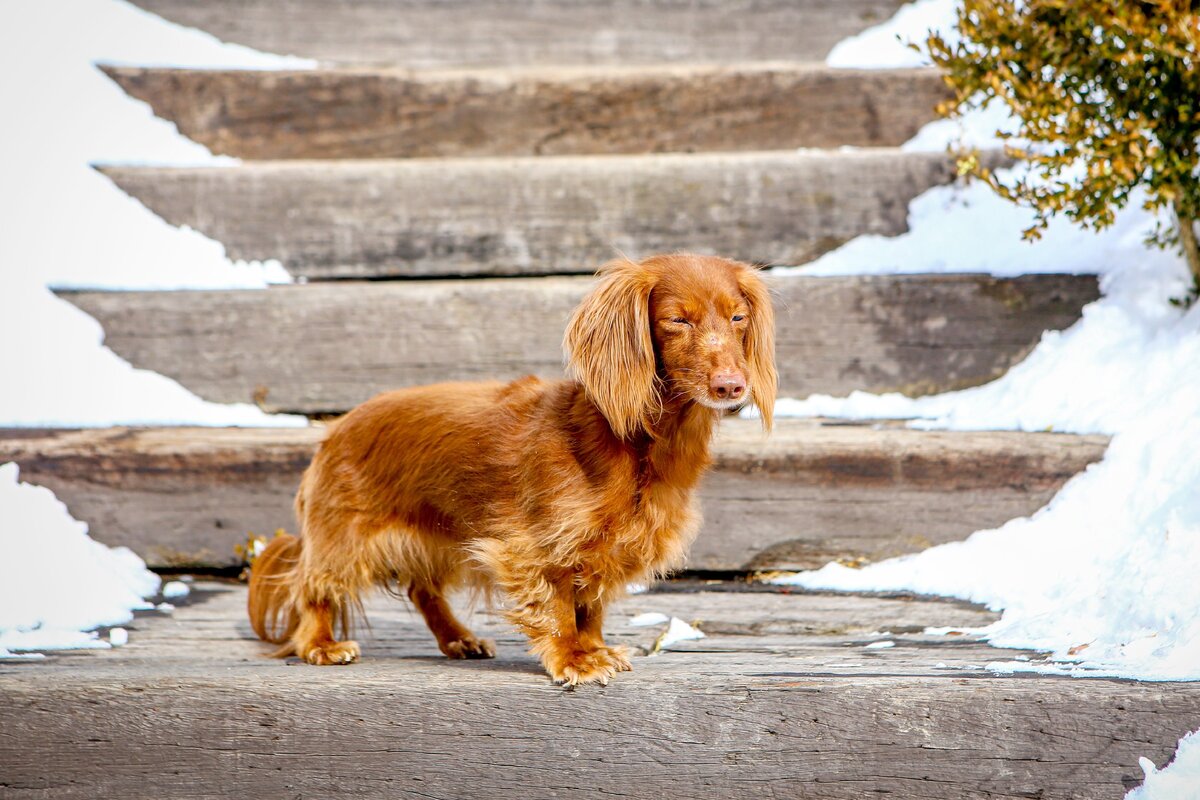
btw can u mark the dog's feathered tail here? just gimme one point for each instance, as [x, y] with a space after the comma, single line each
[272, 612]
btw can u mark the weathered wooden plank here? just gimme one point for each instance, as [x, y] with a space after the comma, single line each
[167, 717]
[744, 622]
[528, 216]
[183, 497]
[430, 33]
[813, 493]
[179, 497]
[731, 612]
[315, 114]
[327, 347]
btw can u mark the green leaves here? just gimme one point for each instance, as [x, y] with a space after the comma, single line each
[1107, 94]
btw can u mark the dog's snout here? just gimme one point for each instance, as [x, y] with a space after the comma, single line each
[727, 385]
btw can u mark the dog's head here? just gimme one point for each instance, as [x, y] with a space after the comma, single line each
[671, 327]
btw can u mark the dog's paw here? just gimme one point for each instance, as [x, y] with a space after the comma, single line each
[588, 666]
[618, 657]
[469, 647]
[332, 653]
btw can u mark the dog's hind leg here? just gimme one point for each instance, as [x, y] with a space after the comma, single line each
[313, 639]
[453, 638]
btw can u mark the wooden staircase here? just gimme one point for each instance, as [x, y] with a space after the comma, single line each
[443, 184]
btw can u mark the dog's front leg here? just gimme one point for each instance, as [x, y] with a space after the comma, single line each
[589, 623]
[543, 606]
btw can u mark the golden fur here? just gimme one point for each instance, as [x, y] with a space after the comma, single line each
[555, 494]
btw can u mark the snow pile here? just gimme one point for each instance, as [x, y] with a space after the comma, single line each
[68, 226]
[1179, 781]
[65, 225]
[1100, 578]
[1103, 577]
[1125, 363]
[885, 46]
[55, 581]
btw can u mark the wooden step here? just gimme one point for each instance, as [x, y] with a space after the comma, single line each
[376, 113]
[324, 348]
[525, 216]
[781, 699]
[434, 33]
[811, 493]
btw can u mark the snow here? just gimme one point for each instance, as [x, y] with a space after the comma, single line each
[1180, 780]
[885, 46]
[677, 631]
[175, 589]
[880, 645]
[55, 581]
[67, 226]
[1102, 579]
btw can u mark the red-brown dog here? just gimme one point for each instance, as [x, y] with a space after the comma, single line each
[555, 493]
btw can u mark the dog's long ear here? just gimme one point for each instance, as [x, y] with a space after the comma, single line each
[610, 350]
[760, 344]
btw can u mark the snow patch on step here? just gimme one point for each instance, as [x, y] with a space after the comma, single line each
[67, 226]
[677, 631]
[56, 583]
[1103, 578]
[885, 46]
[1179, 780]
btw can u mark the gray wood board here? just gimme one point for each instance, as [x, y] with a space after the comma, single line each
[190, 708]
[327, 347]
[431, 33]
[183, 497]
[538, 215]
[319, 114]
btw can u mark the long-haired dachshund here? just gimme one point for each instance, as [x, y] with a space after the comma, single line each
[556, 493]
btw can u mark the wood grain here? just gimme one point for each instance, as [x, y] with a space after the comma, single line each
[429, 33]
[389, 113]
[811, 493]
[327, 347]
[538, 215]
[190, 709]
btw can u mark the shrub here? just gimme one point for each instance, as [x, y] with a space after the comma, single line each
[1107, 93]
